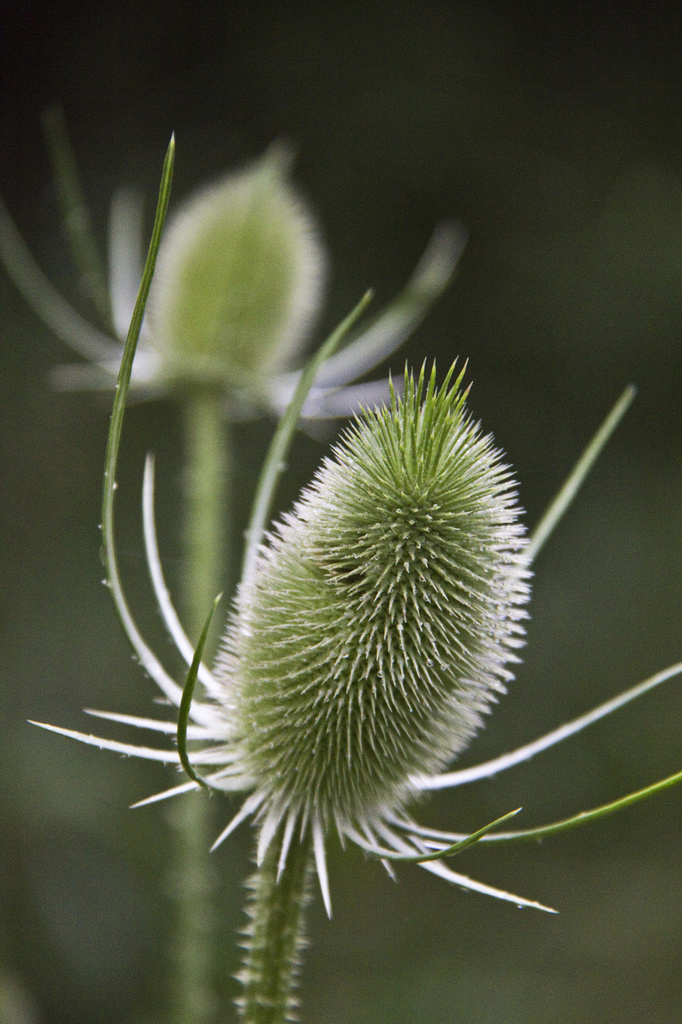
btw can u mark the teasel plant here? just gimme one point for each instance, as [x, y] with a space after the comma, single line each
[373, 626]
[239, 281]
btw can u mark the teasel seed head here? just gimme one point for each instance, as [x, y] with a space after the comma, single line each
[239, 279]
[383, 615]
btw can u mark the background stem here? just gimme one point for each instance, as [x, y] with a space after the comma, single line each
[207, 465]
[193, 878]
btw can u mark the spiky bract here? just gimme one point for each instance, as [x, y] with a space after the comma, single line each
[382, 614]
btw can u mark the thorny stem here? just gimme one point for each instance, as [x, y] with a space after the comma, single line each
[205, 485]
[274, 935]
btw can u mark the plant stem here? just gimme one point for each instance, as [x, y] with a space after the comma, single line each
[192, 885]
[274, 936]
[207, 468]
[194, 882]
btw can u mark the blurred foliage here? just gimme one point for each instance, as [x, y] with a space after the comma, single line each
[552, 131]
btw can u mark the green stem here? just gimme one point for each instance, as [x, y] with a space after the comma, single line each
[192, 885]
[206, 472]
[274, 937]
[205, 486]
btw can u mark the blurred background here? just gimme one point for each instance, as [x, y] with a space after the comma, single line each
[552, 130]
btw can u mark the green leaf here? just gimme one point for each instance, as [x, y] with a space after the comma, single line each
[576, 477]
[585, 817]
[448, 851]
[187, 695]
[145, 654]
[274, 462]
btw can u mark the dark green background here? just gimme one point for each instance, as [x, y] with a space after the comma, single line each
[553, 132]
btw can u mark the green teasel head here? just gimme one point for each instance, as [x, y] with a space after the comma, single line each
[239, 279]
[383, 613]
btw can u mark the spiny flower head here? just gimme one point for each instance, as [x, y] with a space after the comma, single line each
[239, 278]
[382, 614]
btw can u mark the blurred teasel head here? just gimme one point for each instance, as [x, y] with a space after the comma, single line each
[238, 280]
[238, 286]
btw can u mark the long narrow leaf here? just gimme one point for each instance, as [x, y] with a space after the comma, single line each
[186, 702]
[274, 462]
[448, 851]
[586, 816]
[583, 818]
[145, 654]
[570, 488]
